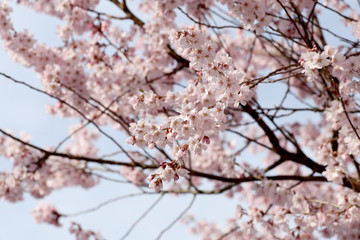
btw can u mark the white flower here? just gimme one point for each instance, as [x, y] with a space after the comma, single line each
[156, 184]
[166, 173]
[182, 172]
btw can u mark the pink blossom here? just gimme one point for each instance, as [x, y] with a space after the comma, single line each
[45, 212]
[166, 173]
[249, 103]
[182, 172]
[156, 184]
[82, 234]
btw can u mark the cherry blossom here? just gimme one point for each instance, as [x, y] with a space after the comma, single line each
[45, 212]
[256, 101]
[82, 234]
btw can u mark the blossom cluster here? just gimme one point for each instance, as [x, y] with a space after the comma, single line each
[38, 174]
[252, 14]
[312, 60]
[184, 92]
[218, 84]
[82, 234]
[276, 209]
[46, 213]
[166, 172]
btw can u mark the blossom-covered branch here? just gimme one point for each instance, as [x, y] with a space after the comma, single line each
[250, 99]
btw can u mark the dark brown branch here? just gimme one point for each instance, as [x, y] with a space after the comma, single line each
[275, 164]
[47, 154]
[295, 25]
[141, 24]
[259, 178]
[356, 164]
[298, 157]
[348, 182]
[337, 12]
[74, 108]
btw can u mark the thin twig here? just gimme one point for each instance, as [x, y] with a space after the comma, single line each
[142, 216]
[104, 204]
[178, 218]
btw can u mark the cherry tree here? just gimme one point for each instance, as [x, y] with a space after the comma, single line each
[250, 99]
